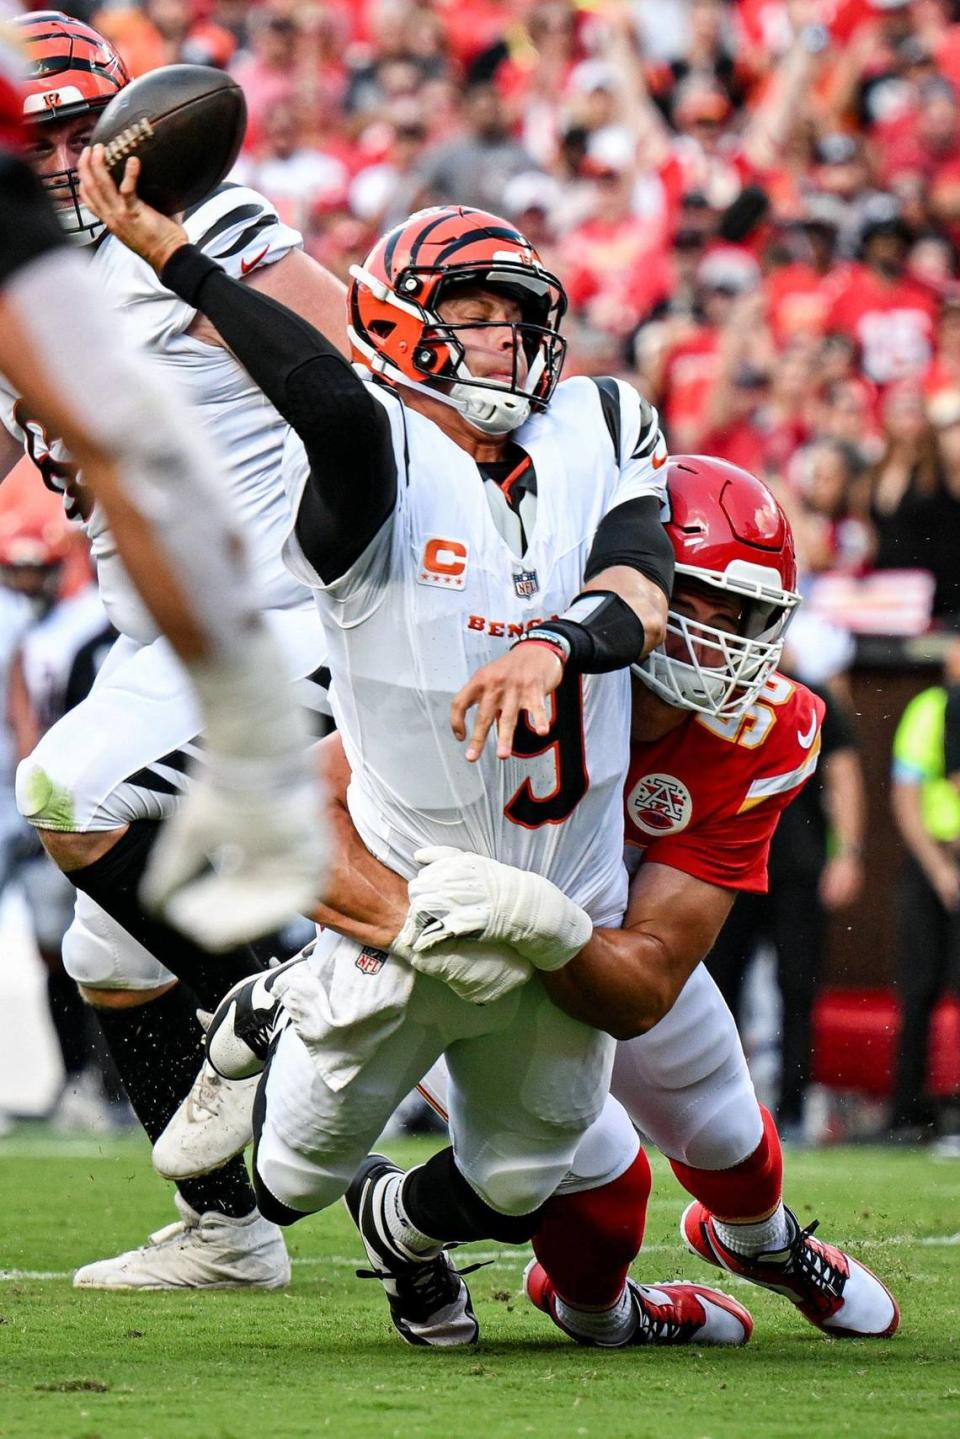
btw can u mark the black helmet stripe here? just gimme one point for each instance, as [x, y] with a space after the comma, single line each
[487, 232]
[428, 229]
[394, 239]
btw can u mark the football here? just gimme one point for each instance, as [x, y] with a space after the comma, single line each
[185, 123]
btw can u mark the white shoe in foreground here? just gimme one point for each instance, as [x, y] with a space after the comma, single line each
[200, 1251]
[213, 1123]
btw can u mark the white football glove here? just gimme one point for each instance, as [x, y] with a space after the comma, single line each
[478, 973]
[466, 896]
[247, 848]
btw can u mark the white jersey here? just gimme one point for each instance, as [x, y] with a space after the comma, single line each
[16, 617]
[74, 630]
[241, 230]
[437, 594]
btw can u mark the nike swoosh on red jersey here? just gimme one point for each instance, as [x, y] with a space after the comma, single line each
[247, 265]
[806, 740]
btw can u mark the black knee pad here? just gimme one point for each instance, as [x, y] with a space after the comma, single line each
[441, 1203]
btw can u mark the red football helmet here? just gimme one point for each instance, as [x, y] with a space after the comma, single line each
[728, 533]
[11, 94]
[33, 549]
[396, 330]
[71, 71]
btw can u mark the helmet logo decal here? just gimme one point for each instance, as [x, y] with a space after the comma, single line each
[660, 804]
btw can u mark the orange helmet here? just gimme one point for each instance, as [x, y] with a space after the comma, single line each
[71, 71]
[396, 329]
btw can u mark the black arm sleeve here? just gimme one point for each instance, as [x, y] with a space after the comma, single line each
[837, 731]
[28, 226]
[352, 487]
[631, 534]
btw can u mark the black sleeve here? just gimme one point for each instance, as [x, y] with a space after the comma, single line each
[28, 226]
[837, 731]
[631, 534]
[951, 732]
[352, 487]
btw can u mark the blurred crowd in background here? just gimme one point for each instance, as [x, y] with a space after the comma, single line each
[754, 206]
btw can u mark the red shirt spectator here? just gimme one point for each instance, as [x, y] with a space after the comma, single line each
[890, 315]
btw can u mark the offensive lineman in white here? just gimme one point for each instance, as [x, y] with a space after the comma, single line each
[99, 779]
[477, 499]
[145, 464]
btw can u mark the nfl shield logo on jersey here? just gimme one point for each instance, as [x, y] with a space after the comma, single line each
[526, 583]
[370, 960]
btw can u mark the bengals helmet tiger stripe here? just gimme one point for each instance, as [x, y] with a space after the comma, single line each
[72, 71]
[396, 329]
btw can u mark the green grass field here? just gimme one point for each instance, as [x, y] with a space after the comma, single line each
[323, 1359]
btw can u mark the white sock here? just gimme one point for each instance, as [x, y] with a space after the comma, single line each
[605, 1326]
[408, 1241]
[761, 1237]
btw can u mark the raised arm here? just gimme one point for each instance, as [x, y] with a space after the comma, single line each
[345, 431]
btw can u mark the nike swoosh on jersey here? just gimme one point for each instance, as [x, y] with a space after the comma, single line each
[806, 740]
[658, 461]
[247, 265]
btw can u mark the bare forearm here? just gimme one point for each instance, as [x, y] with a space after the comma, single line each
[906, 810]
[845, 800]
[362, 899]
[620, 982]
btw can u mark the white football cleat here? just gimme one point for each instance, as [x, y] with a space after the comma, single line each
[665, 1314]
[830, 1288]
[199, 1251]
[244, 1022]
[213, 1123]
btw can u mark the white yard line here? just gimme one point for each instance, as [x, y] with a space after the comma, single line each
[500, 1259]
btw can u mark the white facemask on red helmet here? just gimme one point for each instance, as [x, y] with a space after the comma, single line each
[728, 534]
[71, 71]
[396, 331]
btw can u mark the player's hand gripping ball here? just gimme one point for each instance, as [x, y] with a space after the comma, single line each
[184, 123]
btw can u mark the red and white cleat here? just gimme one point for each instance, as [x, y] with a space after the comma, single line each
[833, 1290]
[670, 1313]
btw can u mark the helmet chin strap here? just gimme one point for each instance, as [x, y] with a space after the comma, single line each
[491, 412]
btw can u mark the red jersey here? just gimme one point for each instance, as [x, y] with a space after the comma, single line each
[706, 798]
[11, 98]
[892, 323]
